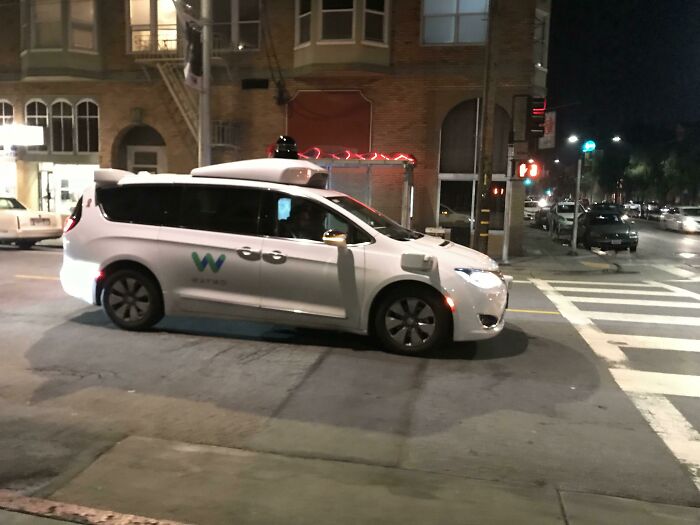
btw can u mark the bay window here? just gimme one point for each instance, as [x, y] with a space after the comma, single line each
[81, 29]
[152, 26]
[375, 21]
[337, 19]
[46, 24]
[303, 21]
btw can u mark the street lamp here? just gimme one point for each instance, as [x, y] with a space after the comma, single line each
[617, 138]
[573, 139]
[556, 161]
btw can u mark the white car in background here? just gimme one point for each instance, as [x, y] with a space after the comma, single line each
[262, 240]
[530, 210]
[24, 227]
[682, 219]
[561, 219]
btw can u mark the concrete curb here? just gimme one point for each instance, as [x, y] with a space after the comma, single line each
[68, 513]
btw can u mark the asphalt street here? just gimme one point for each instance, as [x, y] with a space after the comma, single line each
[593, 386]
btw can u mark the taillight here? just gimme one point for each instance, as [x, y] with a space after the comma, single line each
[69, 224]
[74, 218]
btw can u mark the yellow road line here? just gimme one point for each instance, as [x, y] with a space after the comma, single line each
[543, 312]
[38, 277]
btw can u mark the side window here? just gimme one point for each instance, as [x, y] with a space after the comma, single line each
[221, 209]
[300, 218]
[138, 203]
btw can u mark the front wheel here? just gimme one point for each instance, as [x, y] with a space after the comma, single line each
[132, 300]
[413, 321]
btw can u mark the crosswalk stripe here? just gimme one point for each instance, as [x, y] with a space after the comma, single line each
[604, 283]
[644, 318]
[674, 270]
[655, 343]
[635, 302]
[674, 430]
[677, 290]
[645, 382]
[611, 291]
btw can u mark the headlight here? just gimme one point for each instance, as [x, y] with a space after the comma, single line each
[483, 279]
[634, 234]
[625, 217]
[690, 223]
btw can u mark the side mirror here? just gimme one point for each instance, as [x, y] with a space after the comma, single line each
[335, 238]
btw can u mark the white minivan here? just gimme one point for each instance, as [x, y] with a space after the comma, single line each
[262, 240]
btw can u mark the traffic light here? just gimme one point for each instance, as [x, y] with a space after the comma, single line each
[536, 109]
[528, 169]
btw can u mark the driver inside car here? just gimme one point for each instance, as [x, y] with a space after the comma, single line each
[306, 221]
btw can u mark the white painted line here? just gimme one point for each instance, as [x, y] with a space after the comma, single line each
[604, 283]
[674, 270]
[591, 334]
[612, 291]
[677, 290]
[635, 302]
[676, 432]
[644, 382]
[643, 318]
[655, 343]
[522, 282]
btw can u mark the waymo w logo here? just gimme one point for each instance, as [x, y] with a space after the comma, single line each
[208, 260]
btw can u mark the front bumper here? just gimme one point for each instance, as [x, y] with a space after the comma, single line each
[479, 313]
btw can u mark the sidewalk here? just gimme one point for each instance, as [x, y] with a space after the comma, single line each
[208, 485]
[544, 256]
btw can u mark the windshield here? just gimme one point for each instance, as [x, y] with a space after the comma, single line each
[8, 203]
[565, 208]
[376, 220]
[693, 212]
[607, 218]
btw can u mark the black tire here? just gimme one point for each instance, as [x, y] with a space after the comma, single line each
[25, 245]
[132, 300]
[633, 248]
[415, 315]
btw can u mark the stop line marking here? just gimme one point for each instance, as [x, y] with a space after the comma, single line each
[655, 343]
[635, 302]
[609, 291]
[644, 318]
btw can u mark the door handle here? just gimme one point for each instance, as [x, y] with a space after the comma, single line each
[248, 253]
[275, 257]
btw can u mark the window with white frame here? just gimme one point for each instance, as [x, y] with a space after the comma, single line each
[87, 127]
[337, 19]
[455, 21]
[541, 39]
[247, 26]
[152, 26]
[7, 113]
[37, 114]
[375, 21]
[81, 29]
[61, 127]
[303, 21]
[46, 24]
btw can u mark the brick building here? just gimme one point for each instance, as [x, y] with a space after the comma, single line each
[104, 78]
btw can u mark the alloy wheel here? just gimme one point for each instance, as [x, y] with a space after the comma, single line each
[129, 299]
[410, 322]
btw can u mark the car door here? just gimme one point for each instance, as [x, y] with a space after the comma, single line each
[300, 274]
[210, 252]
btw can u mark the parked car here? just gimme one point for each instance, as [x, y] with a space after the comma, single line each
[633, 208]
[261, 240]
[607, 230]
[682, 219]
[23, 227]
[561, 219]
[541, 219]
[648, 208]
[453, 219]
[658, 213]
[530, 210]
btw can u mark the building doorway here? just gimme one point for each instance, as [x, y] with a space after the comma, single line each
[140, 148]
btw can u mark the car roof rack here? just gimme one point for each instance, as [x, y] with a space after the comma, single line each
[281, 171]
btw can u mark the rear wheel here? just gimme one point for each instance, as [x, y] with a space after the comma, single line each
[132, 300]
[413, 321]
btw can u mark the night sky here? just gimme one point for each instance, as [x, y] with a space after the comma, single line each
[624, 66]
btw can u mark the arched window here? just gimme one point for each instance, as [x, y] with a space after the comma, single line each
[88, 115]
[61, 127]
[37, 114]
[458, 139]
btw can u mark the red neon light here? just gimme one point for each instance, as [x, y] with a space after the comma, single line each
[316, 153]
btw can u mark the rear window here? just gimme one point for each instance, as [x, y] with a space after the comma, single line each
[607, 218]
[8, 203]
[565, 208]
[138, 203]
[220, 209]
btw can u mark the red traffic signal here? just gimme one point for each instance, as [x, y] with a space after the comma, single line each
[536, 109]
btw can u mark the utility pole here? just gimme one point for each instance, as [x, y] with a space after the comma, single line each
[204, 135]
[485, 153]
[574, 234]
[509, 202]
